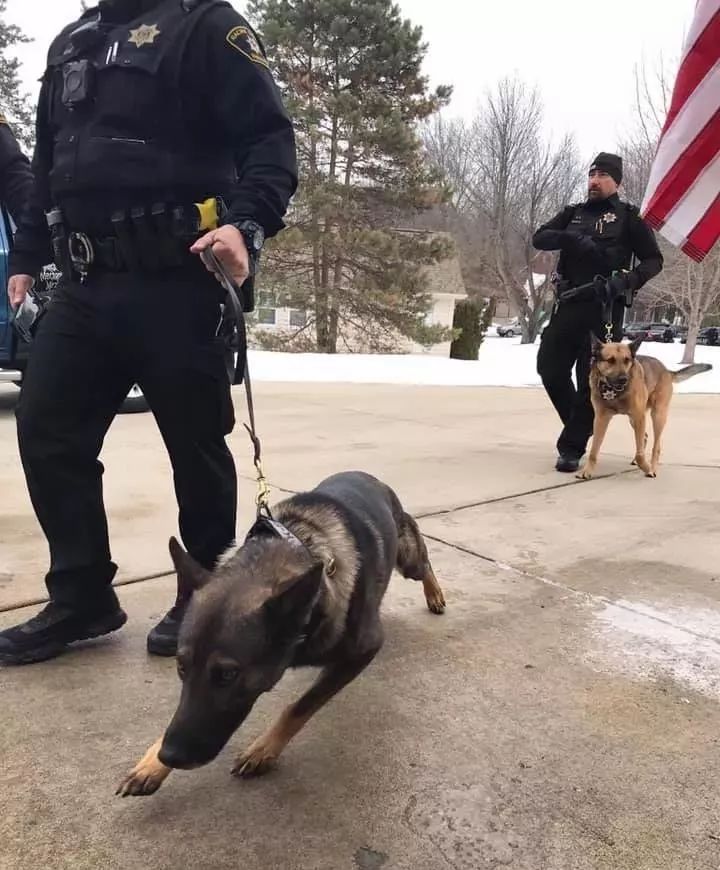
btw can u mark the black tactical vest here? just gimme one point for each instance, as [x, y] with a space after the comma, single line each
[607, 223]
[131, 131]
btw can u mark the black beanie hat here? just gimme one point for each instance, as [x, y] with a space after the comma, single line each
[610, 163]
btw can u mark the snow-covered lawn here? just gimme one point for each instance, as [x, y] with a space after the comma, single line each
[503, 362]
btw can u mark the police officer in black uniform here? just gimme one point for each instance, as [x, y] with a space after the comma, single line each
[161, 135]
[597, 240]
[15, 174]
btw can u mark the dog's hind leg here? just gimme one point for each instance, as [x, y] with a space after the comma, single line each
[262, 754]
[413, 562]
[147, 776]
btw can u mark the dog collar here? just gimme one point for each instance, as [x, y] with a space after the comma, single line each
[266, 527]
[608, 392]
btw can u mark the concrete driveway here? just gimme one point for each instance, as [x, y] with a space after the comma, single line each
[562, 714]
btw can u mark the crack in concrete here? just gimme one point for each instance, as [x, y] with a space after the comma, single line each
[579, 593]
[500, 498]
[130, 581]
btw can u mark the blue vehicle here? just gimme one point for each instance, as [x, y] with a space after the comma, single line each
[14, 352]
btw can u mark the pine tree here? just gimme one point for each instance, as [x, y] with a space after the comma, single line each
[468, 328]
[350, 75]
[15, 105]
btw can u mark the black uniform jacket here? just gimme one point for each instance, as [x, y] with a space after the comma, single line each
[146, 102]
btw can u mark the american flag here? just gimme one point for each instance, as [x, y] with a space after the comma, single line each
[682, 200]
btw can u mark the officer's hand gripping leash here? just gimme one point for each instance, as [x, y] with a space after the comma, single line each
[233, 291]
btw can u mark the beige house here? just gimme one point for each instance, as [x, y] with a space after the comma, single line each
[445, 284]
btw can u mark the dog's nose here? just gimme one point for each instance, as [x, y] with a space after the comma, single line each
[175, 755]
[186, 756]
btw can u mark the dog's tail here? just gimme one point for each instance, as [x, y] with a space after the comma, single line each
[690, 371]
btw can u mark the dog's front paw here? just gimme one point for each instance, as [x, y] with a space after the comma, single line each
[584, 474]
[259, 758]
[140, 782]
[651, 473]
[147, 776]
[435, 601]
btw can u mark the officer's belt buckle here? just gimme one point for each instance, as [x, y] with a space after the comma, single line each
[82, 252]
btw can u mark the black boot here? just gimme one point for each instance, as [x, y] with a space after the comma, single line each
[48, 634]
[162, 639]
[567, 464]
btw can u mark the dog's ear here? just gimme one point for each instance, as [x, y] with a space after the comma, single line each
[596, 346]
[635, 346]
[291, 601]
[191, 576]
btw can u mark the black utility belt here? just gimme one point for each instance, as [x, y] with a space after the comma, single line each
[88, 252]
[143, 238]
[582, 293]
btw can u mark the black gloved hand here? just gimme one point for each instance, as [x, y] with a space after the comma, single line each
[579, 243]
[617, 285]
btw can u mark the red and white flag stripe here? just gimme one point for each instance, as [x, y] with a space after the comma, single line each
[682, 200]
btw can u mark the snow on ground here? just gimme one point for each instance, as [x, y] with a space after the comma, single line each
[651, 642]
[502, 362]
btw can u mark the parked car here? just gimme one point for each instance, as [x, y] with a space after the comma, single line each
[509, 330]
[14, 351]
[664, 332]
[707, 335]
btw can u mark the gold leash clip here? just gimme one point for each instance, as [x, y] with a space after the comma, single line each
[263, 489]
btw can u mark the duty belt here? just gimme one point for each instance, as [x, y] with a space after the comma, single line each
[582, 292]
[153, 240]
[142, 239]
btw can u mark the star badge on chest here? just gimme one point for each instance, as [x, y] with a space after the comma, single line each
[144, 35]
[609, 217]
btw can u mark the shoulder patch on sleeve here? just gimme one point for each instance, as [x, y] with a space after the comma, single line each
[244, 40]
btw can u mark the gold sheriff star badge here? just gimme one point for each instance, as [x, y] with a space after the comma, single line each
[144, 35]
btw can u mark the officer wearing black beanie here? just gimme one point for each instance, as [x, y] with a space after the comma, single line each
[597, 237]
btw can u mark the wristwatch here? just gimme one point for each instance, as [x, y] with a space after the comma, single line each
[254, 236]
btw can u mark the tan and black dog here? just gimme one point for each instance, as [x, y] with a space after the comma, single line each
[306, 592]
[621, 382]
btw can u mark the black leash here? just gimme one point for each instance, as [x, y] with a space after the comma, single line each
[232, 289]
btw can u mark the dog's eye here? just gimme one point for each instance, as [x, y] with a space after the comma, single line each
[224, 676]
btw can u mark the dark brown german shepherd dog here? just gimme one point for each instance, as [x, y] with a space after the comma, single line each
[304, 593]
[621, 382]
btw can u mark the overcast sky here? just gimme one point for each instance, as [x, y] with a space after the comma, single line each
[581, 55]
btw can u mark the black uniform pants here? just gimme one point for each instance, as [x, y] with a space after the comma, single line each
[96, 340]
[565, 344]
